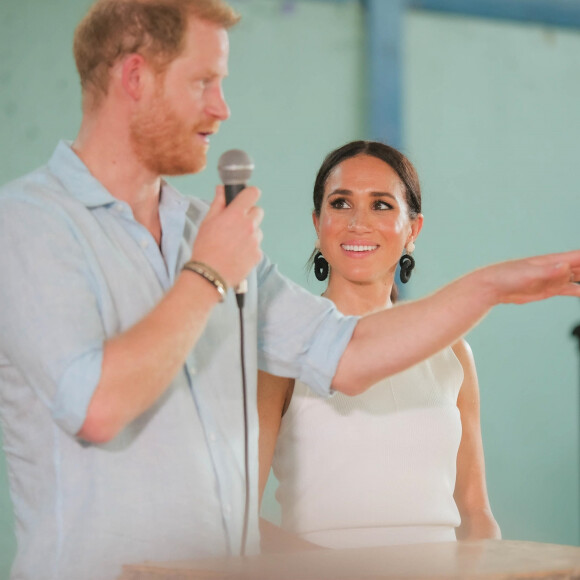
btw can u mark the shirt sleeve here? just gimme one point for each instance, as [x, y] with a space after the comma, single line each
[51, 333]
[299, 335]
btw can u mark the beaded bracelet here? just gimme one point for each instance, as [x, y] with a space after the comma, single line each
[209, 274]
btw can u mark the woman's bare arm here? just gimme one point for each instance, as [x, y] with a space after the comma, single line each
[477, 521]
[272, 395]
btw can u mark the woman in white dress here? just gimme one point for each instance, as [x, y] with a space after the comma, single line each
[403, 462]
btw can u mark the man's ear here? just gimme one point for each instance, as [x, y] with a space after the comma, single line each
[134, 75]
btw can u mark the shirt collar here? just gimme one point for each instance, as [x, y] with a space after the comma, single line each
[170, 198]
[67, 166]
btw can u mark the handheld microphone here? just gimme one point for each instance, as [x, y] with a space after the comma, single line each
[235, 168]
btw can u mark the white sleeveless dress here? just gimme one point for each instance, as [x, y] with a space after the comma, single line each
[375, 469]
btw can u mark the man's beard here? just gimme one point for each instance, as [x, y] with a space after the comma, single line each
[164, 143]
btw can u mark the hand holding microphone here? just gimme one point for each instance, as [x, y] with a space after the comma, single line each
[229, 237]
[235, 168]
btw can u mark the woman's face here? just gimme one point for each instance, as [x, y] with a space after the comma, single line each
[364, 221]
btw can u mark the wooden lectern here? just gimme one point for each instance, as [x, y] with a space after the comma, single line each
[482, 560]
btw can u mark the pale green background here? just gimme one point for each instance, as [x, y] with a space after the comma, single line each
[491, 121]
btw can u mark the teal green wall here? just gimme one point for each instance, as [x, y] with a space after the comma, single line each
[491, 122]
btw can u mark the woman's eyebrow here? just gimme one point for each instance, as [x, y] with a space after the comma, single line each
[382, 194]
[349, 192]
[340, 192]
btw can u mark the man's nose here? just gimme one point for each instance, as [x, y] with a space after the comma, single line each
[218, 106]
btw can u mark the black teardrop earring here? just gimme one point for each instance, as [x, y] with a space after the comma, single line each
[320, 267]
[407, 263]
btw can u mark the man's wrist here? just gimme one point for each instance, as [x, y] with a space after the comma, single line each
[209, 274]
[483, 286]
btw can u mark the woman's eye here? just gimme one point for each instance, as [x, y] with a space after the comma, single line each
[382, 205]
[339, 204]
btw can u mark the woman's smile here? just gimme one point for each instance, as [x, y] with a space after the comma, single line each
[358, 249]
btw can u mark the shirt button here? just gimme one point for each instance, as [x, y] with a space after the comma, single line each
[191, 369]
[228, 509]
[212, 437]
[119, 207]
[144, 243]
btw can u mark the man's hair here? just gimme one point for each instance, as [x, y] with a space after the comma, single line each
[155, 29]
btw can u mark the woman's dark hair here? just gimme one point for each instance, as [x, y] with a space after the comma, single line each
[391, 156]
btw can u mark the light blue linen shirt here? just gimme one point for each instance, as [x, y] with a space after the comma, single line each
[78, 269]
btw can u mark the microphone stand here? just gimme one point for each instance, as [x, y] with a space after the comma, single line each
[576, 333]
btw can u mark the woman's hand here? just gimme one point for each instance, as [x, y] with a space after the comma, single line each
[478, 526]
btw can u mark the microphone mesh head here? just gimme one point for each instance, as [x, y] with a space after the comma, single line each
[235, 166]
